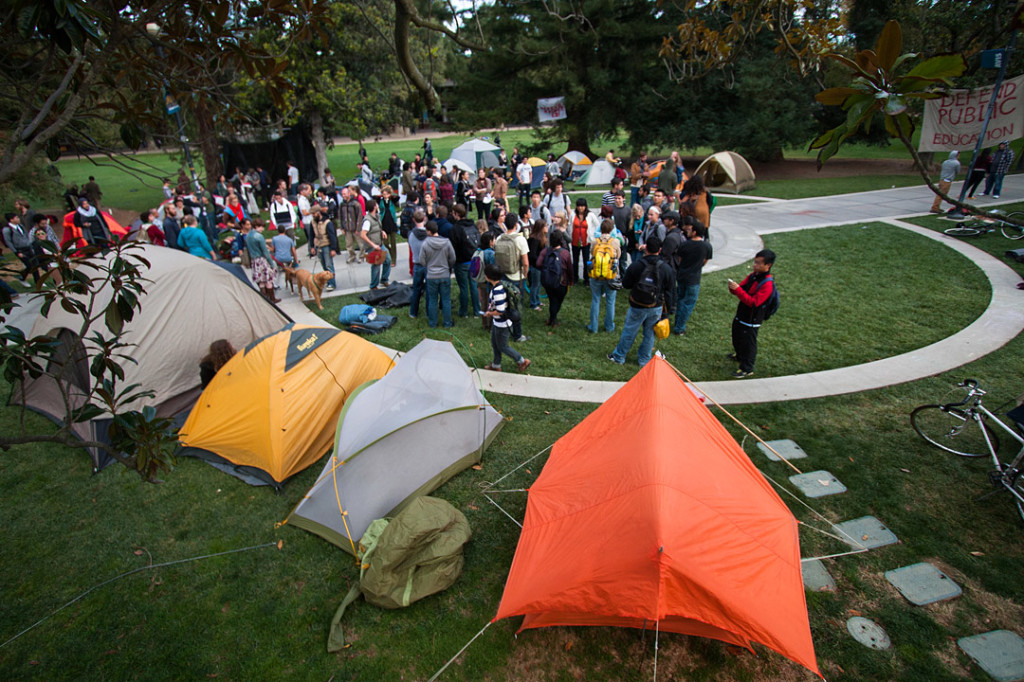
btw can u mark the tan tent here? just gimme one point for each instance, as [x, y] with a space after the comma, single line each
[727, 172]
[189, 303]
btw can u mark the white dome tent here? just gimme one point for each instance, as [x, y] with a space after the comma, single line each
[727, 172]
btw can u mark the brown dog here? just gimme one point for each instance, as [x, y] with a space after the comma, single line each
[289, 277]
[314, 284]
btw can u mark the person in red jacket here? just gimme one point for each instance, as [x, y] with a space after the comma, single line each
[753, 292]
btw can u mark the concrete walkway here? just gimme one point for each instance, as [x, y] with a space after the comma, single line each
[736, 235]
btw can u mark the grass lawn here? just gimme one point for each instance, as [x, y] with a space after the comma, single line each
[264, 613]
[820, 187]
[814, 269]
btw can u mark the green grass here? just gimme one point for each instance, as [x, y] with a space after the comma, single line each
[850, 294]
[830, 300]
[820, 187]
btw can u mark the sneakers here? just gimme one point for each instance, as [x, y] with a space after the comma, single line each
[731, 356]
[681, 332]
[524, 365]
[329, 287]
[537, 307]
[740, 374]
[522, 338]
[971, 198]
[612, 358]
[995, 196]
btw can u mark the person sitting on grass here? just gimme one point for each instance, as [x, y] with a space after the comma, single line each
[501, 313]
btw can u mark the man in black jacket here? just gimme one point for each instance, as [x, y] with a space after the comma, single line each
[465, 239]
[652, 284]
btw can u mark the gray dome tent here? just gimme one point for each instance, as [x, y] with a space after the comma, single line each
[397, 439]
[727, 172]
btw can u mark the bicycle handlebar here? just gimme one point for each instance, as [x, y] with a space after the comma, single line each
[968, 383]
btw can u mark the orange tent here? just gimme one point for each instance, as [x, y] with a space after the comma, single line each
[649, 511]
[74, 233]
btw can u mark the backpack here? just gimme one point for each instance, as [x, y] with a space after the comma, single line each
[405, 220]
[647, 291]
[771, 306]
[506, 255]
[512, 313]
[472, 236]
[476, 266]
[602, 257]
[551, 274]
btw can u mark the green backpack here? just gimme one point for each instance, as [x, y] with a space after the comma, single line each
[414, 555]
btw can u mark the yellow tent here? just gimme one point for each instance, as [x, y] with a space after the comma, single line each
[272, 409]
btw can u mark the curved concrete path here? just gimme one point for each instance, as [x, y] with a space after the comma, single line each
[736, 237]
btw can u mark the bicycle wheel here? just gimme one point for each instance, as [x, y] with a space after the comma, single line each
[1011, 231]
[1018, 487]
[952, 429]
[962, 230]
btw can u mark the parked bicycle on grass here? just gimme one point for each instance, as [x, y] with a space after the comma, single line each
[966, 429]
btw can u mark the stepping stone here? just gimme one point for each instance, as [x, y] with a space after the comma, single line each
[867, 531]
[817, 577]
[787, 448]
[817, 484]
[1000, 653]
[923, 584]
[868, 633]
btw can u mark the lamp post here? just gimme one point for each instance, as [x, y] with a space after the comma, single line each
[174, 109]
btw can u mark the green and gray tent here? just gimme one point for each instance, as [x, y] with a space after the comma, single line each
[398, 438]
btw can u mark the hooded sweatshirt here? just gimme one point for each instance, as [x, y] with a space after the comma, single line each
[417, 236]
[950, 167]
[438, 256]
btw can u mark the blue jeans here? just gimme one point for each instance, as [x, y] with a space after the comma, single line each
[637, 319]
[376, 277]
[327, 262]
[997, 183]
[634, 196]
[599, 287]
[419, 286]
[439, 288]
[533, 279]
[467, 290]
[686, 300]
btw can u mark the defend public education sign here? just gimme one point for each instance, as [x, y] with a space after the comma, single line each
[954, 121]
[551, 109]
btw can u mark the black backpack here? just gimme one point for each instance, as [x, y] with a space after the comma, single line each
[647, 290]
[405, 220]
[551, 273]
[771, 306]
[472, 235]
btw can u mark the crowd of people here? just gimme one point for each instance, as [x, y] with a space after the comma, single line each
[652, 241]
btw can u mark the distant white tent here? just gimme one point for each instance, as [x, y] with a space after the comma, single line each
[574, 164]
[456, 163]
[397, 439]
[477, 154]
[727, 172]
[601, 173]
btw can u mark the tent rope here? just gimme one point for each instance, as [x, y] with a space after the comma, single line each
[488, 486]
[502, 510]
[657, 631]
[131, 572]
[452, 659]
[730, 415]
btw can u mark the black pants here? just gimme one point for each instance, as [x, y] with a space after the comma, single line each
[555, 298]
[972, 184]
[577, 251]
[744, 343]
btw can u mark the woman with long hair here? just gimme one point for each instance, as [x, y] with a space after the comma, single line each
[695, 193]
[537, 240]
[584, 225]
[221, 351]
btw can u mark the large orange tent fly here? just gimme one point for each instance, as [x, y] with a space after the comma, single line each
[649, 514]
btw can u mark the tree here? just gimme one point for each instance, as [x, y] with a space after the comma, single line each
[76, 282]
[882, 83]
[71, 62]
[595, 53]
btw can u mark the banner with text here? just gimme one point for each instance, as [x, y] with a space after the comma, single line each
[551, 109]
[954, 121]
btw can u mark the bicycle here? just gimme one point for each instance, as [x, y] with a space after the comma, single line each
[973, 226]
[949, 427]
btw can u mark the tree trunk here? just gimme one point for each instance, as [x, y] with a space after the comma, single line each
[209, 144]
[579, 140]
[316, 123]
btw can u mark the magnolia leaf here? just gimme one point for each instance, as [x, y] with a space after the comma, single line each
[834, 97]
[859, 110]
[867, 62]
[895, 105]
[940, 66]
[851, 65]
[902, 58]
[820, 141]
[889, 45]
[909, 84]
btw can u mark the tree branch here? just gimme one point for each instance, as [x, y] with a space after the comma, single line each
[407, 8]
